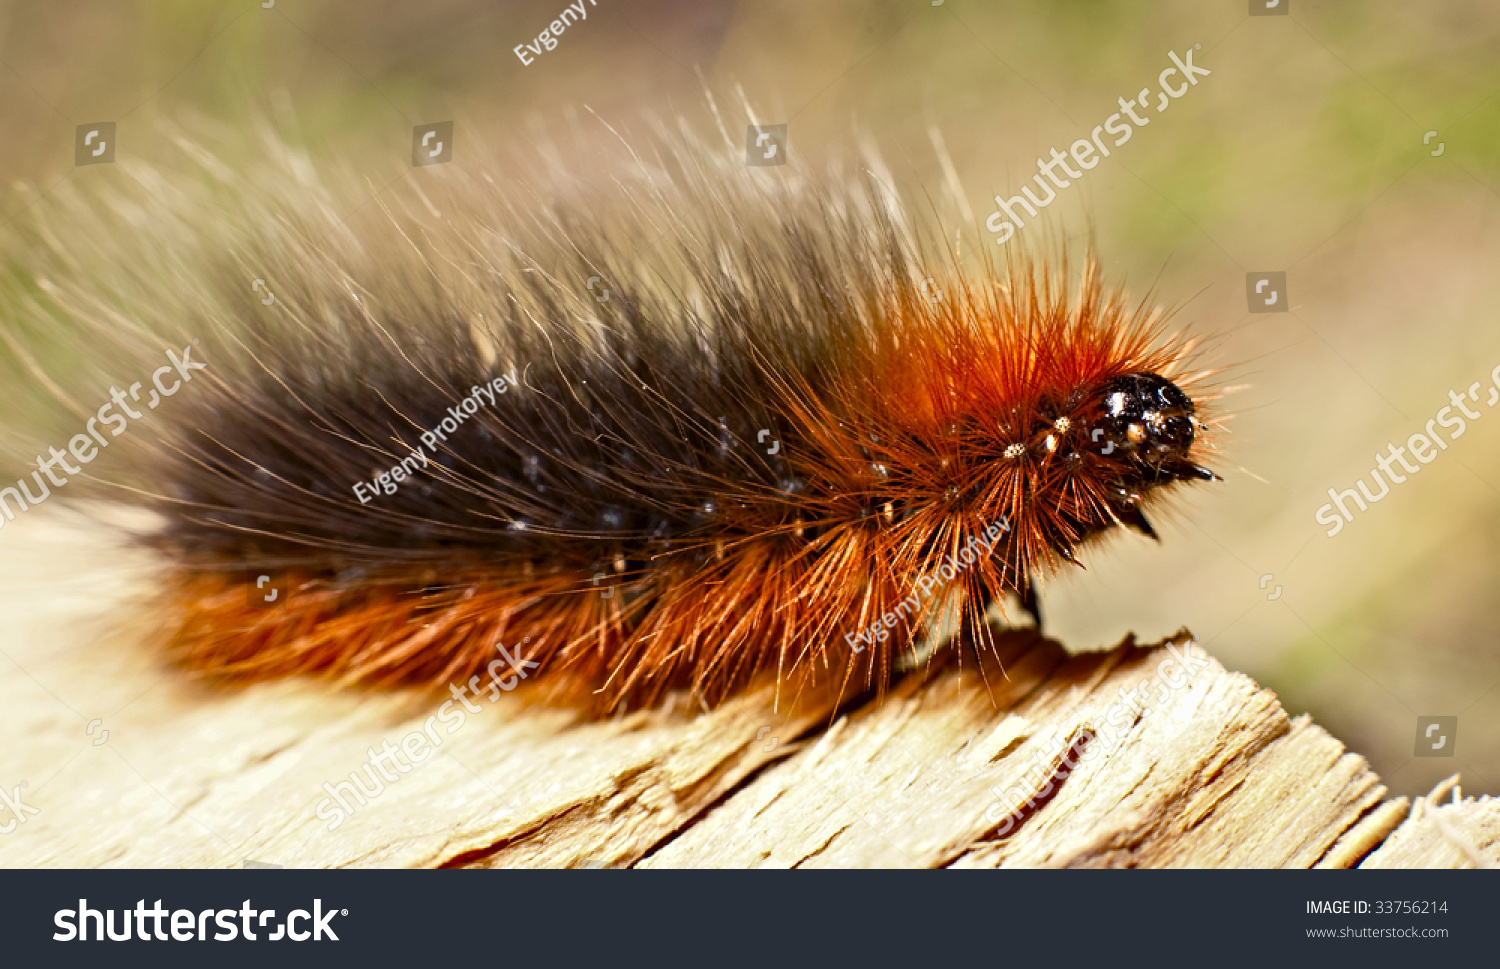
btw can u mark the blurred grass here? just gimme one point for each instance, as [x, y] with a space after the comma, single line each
[1303, 151]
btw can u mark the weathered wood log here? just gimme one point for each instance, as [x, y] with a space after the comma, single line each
[1050, 762]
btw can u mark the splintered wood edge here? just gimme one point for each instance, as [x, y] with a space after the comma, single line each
[1443, 830]
[1214, 774]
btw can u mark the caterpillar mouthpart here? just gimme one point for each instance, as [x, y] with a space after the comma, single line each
[1150, 419]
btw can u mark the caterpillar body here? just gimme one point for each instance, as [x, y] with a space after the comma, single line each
[702, 424]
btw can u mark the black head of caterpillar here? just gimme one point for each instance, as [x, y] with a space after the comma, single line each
[1150, 422]
[769, 451]
[1151, 419]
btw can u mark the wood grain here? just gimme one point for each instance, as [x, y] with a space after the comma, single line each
[1205, 770]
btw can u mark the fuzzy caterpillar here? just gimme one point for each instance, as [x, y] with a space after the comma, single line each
[695, 427]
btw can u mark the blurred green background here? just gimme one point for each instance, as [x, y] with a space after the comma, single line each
[1303, 152]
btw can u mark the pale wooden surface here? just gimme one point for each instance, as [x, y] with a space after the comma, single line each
[1215, 775]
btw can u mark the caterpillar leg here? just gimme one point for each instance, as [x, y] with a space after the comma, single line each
[1030, 604]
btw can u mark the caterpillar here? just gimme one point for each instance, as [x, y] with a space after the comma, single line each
[679, 427]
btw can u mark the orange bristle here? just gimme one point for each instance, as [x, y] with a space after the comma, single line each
[751, 461]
